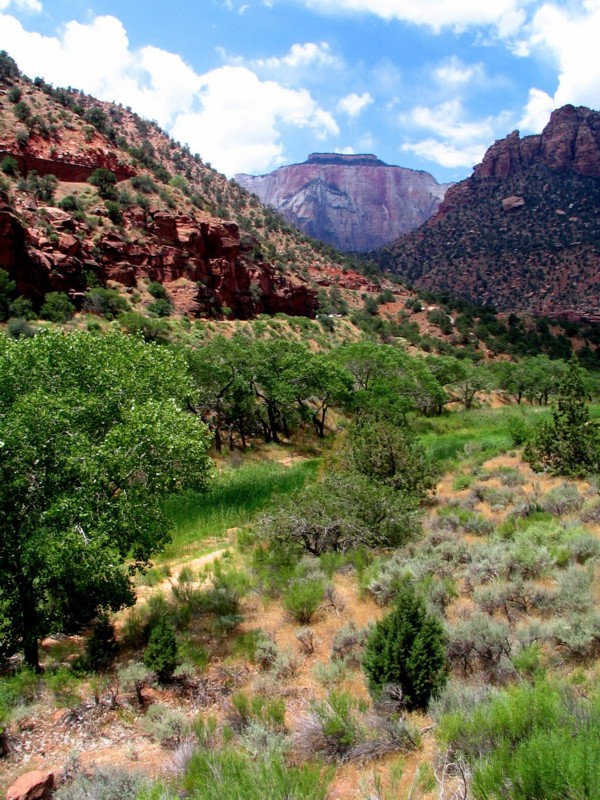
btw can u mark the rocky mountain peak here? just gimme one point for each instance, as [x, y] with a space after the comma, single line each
[522, 232]
[354, 202]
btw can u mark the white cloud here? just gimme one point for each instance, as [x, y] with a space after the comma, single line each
[537, 111]
[239, 126]
[456, 141]
[570, 37]
[33, 6]
[455, 73]
[310, 54]
[353, 103]
[504, 15]
[345, 151]
[447, 120]
[446, 154]
[228, 115]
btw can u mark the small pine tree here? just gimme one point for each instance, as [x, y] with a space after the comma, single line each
[570, 444]
[161, 652]
[406, 649]
[101, 647]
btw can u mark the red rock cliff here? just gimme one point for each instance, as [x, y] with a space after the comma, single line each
[202, 261]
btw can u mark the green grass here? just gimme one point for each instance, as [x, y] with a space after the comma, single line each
[475, 435]
[235, 497]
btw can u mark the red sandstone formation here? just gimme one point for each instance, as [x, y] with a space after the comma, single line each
[201, 260]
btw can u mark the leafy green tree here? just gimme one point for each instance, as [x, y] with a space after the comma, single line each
[570, 443]
[320, 384]
[277, 382]
[388, 380]
[447, 371]
[407, 649]
[92, 437]
[161, 652]
[470, 380]
[222, 376]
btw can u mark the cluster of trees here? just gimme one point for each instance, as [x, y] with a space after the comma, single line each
[245, 387]
[93, 434]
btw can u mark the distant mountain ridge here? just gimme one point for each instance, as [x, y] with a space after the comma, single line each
[523, 232]
[353, 202]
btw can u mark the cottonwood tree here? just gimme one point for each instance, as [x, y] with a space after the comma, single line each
[92, 437]
[388, 380]
[570, 443]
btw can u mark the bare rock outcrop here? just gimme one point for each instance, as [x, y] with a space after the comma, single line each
[36, 785]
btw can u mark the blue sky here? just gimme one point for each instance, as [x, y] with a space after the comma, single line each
[254, 84]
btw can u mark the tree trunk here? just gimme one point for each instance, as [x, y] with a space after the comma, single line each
[29, 626]
[218, 441]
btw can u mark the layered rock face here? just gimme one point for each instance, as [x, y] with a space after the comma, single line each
[522, 233]
[202, 261]
[353, 202]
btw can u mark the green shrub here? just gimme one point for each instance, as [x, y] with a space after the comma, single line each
[303, 598]
[113, 211]
[103, 783]
[168, 726]
[65, 686]
[462, 482]
[161, 652]
[349, 643]
[518, 430]
[106, 303]
[22, 308]
[158, 290]
[344, 511]
[231, 774]
[479, 642]
[70, 203]
[105, 182]
[15, 93]
[152, 330]
[407, 649]
[533, 741]
[57, 307]
[19, 328]
[570, 443]
[338, 722]
[9, 166]
[162, 308]
[270, 713]
[22, 111]
[134, 677]
[144, 184]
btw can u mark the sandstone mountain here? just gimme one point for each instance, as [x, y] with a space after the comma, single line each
[523, 232]
[163, 216]
[353, 202]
